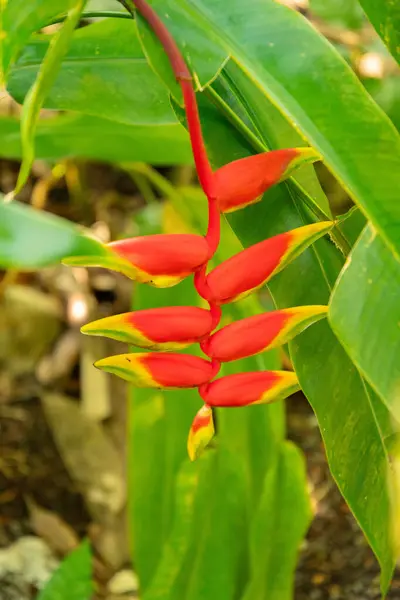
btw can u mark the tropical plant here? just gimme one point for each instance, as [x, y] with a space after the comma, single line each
[262, 95]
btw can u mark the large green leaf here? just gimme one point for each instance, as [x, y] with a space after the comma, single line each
[281, 135]
[220, 534]
[73, 579]
[277, 529]
[159, 425]
[18, 20]
[214, 562]
[354, 442]
[83, 136]
[254, 435]
[204, 59]
[298, 70]
[104, 74]
[177, 543]
[385, 17]
[365, 315]
[30, 239]
[248, 430]
[43, 81]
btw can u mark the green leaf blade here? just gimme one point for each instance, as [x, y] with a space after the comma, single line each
[19, 20]
[42, 84]
[365, 315]
[73, 579]
[83, 136]
[30, 239]
[104, 74]
[356, 139]
[385, 17]
[278, 530]
[330, 381]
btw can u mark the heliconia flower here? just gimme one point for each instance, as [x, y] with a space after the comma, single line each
[251, 268]
[201, 432]
[260, 332]
[161, 260]
[162, 370]
[242, 182]
[243, 389]
[167, 328]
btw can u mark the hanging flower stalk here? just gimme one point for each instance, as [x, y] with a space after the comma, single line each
[164, 260]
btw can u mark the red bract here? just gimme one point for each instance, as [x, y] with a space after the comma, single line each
[163, 260]
[158, 328]
[242, 389]
[242, 182]
[159, 370]
[201, 432]
[240, 275]
[260, 333]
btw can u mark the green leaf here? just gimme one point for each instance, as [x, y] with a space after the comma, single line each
[297, 70]
[103, 74]
[385, 17]
[334, 387]
[158, 430]
[82, 136]
[365, 315]
[18, 20]
[146, 481]
[42, 84]
[159, 426]
[73, 579]
[175, 548]
[252, 429]
[220, 536]
[277, 530]
[30, 239]
[205, 59]
[281, 133]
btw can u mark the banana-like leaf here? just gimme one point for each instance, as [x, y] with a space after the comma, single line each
[365, 315]
[356, 140]
[385, 17]
[30, 239]
[19, 20]
[39, 89]
[82, 136]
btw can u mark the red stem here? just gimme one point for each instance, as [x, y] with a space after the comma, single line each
[203, 167]
[183, 76]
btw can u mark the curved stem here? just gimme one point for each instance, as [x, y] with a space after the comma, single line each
[184, 77]
[203, 167]
[93, 14]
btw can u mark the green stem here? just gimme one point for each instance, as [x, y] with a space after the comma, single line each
[91, 14]
[337, 236]
[142, 182]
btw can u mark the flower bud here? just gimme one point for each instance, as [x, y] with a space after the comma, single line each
[238, 276]
[260, 332]
[201, 432]
[243, 182]
[243, 389]
[159, 370]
